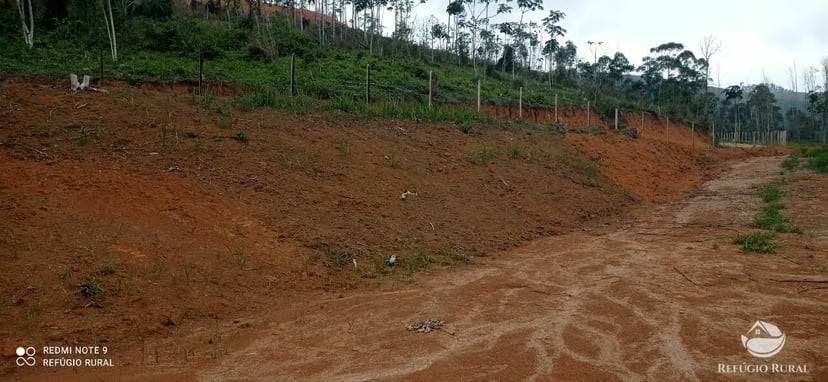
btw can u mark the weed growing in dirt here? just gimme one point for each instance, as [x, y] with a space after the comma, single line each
[240, 137]
[486, 153]
[240, 258]
[394, 160]
[759, 242]
[792, 162]
[410, 263]
[344, 148]
[348, 105]
[92, 288]
[192, 134]
[334, 259]
[586, 167]
[105, 270]
[817, 160]
[770, 218]
[120, 287]
[772, 191]
[406, 263]
[466, 127]
[205, 99]
[514, 152]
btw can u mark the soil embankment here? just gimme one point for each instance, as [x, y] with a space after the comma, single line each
[144, 215]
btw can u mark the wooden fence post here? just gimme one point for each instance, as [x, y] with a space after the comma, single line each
[200, 69]
[588, 115]
[478, 96]
[520, 103]
[367, 84]
[430, 73]
[100, 80]
[292, 75]
[556, 108]
[616, 118]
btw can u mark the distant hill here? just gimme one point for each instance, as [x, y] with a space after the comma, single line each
[785, 98]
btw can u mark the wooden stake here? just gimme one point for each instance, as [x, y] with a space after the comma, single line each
[556, 108]
[520, 102]
[292, 75]
[587, 114]
[367, 84]
[200, 69]
[616, 118]
[642, 120]
[101, 78]
[714, 133]
[478, 96]
[430, 73]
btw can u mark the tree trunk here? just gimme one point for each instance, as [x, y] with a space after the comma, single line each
[28, 30]
[106, 6]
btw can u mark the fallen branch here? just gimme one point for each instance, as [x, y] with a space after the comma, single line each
[800, 281]
[685, 276]
[39, 152]
[810, 289]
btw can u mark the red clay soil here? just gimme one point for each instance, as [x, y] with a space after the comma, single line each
[654, 169]
[569, 117]
[146, 193]
[187, 214]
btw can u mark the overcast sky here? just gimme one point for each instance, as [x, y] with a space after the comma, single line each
[755, 35]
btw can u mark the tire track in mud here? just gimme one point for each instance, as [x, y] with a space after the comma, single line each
[662, 298]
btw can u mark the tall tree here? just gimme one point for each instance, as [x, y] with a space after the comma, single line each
[26, 21]
[550, 25]
[762, 104]
[106, 7]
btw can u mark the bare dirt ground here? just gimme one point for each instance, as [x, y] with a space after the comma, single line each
[663, 296]
[224, 260]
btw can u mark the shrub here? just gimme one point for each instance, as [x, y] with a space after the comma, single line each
[759, 242]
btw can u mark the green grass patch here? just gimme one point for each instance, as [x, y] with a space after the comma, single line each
[759, 242]
[240, 137]
[817, 160]
[770, 218]
[586, 167]
[772, 191]
[483, 155]
[814, 159]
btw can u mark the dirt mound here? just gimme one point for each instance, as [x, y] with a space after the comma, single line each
[142, 212]
[654, 169]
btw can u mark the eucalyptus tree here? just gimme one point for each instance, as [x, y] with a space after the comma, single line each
[733, 92]
[26, 21]
[672, 78]
[762, 104]
[550, 25]
[479, 20]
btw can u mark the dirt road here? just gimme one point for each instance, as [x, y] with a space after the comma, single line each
[663, 296]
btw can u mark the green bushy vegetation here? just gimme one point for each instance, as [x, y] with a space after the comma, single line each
[759, 242]
[162, 40]
[814, 159]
